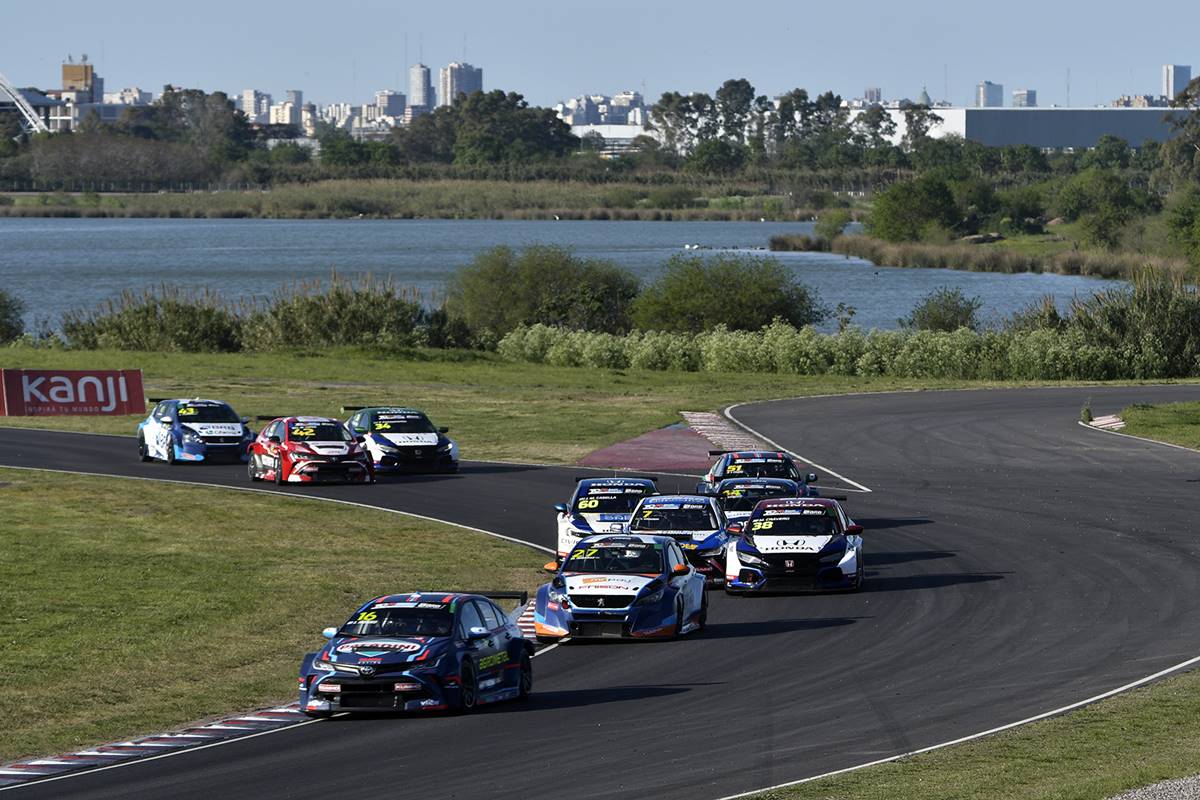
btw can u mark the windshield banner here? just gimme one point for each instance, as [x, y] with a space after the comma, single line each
[45, 392]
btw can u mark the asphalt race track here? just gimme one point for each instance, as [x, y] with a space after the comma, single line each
[1017, 562]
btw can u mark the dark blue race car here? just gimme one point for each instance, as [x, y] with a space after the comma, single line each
[425, 651]
[193, 430]
[739, 496]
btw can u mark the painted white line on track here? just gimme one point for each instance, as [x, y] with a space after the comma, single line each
[729, 414]
[1044, 715]
[1139, 438]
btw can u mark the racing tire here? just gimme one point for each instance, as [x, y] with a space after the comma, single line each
[252, 472]
[170, 448]
[700, 623]
[548, 639]
[526, 684]
[678, 619]
[859, 576]
[468, 688]
[143, 453]
[318, 714]
[279, 473]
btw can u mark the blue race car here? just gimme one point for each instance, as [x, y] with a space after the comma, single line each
[599, 505]
[425, 651]
[618, 586]
[738, 496]
[403, 440]
[696, 522]
[752, 464]
[193, 430]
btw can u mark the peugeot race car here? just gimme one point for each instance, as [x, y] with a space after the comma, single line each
[599, 505]
[193, 430]
[795, 544]
[616, 586]
[308, 449]
[403, 439]
[695, 522]
[753, 464]
[738, 496]
[425, 651]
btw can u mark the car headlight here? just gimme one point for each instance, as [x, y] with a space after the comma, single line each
[385, 447]
[654, 595]
[191, 438]
[748, 558]
[709, 553]
[321, 665]
[556, 596]
[833, 552]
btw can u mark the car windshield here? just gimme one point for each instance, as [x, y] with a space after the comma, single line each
[623, 558]
[301, 431]
[745, 498]
[610, 499]
[397, 422]
[758, 468]
[206, 412]
[384, 619]
[674, 517]
[795, 522]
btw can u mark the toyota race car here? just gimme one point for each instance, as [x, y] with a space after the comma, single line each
[795, 544]
[695, 522]
[425, 651]
[308, 449]
[403, 439]
[752, 464]
[622, 586]
[599, 505]
[739, 496]
[193, 430]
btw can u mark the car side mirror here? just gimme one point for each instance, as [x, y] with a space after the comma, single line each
[359, 429]
[443, 430]
[561, 508]
[165, 419]
[680, 569]
[854, 530]
[274, 440]
[735, 528]
[811, 477]
[245, 420]
[329, 633]
[550, 566]
[477, 633]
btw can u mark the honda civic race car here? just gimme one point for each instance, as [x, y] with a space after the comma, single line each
[425, 651]
[738, 496]
[695, 522]
[403, 439]
[599, 505]
[622, 586]
[308, 449]
[193, 430]
[753, 464]
[795, 544]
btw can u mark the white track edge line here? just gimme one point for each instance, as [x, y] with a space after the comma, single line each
[728, 412]
[971, 737]
[1139, 438]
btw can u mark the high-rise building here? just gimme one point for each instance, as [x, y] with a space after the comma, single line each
[256, 106]
[989, 95]
[285, 113]
[1175, 78]
[295, 97]
[420, 87]
[1025, 98]
[390, 104]
[81, 83]
[458, 78]
[873, 94]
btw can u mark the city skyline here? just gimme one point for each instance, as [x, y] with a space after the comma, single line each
[549, 53]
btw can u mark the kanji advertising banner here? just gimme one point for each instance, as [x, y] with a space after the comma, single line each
[45, 392]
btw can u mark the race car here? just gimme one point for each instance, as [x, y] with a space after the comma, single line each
[193, 430]
[696, 522]
[752, 464]
[403, 439]
[599, 505]
[306, 450]
[738, 496]
[424, 651]
[622, 586]
[795, 544]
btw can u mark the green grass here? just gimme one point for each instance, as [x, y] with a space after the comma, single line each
[1131, 740]
[131, 607]
[495, 409]
[1177, 423]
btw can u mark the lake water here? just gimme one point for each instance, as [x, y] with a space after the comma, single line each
[59, 264]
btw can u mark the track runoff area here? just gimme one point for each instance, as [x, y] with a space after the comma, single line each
[1017, 565]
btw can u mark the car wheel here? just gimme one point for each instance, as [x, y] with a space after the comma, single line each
[143, 453]
[526, 676]
[678, 618]
[703, 611]
[468, 689]
[251, 471]
[279, 472]
[170, 448]
[547, 639]
[859, 576]
[318, 714]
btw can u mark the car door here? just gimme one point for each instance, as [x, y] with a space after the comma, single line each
[480, 652]
[681, 582]
[164, 418]
[265, 450]
[150, 431]
[496, 622]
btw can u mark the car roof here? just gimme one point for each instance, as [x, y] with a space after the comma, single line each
[740, 454]
[589, 482]
[785, 482]
[796, 502]
[311, 419]
[618, 538]
[197, 401]
[391, 410]
[676, 498]
[441, 598]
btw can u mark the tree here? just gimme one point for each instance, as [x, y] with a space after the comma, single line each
[717, 157]
[873, 128]
[11, 324]
[918, 121]
[592, 142]
[1110, 152]
[904, 210]
[943, 309]
[496, 127]
[734, 103]
[1183, 223]
[671, 116]
[1181, 153]
[429, 138]
[694, 294]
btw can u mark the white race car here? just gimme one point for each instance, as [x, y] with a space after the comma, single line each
[599, 505]
[403, 440]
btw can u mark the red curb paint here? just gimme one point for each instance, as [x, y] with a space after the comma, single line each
[665, 450]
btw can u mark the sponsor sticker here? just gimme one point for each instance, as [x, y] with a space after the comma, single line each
[375, 648]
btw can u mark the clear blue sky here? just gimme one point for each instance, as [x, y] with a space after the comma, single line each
[345, 50]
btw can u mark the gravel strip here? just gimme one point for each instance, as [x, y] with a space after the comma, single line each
[1182, 789]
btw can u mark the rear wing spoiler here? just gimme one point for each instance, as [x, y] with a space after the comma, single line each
[720, 452]
[265, 418]
[650, 478]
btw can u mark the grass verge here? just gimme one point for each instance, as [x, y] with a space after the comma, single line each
[1177, 423]
[128, 607]
[496, 409]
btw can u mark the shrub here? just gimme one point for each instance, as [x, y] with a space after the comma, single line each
[673, 197]
[831, 223]
[903, 210]
[944, 309]
[11, 323]
[502, 289]
[167, 319]
[695, 294]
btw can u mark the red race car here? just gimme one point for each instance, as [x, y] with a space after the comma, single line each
[309, 449]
